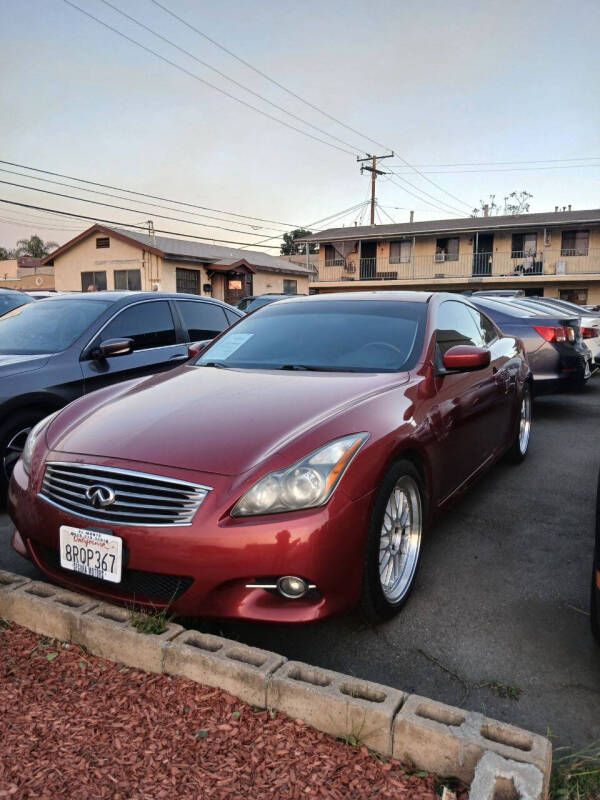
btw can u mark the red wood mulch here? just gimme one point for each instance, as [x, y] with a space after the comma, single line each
[76, 726]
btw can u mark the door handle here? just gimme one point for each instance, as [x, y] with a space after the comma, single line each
[179, 358]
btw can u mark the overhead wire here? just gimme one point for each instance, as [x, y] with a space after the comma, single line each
[205, 82]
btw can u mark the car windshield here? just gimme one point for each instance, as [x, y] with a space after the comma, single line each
[48, 326]
[508, 308]
[328, 335]
[10, 301]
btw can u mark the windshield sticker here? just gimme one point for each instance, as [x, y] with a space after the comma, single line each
[227, 346]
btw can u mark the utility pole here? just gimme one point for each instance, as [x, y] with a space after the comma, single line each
[374, 173]
[153, 244]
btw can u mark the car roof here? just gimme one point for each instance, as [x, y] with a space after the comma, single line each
[13, 291]
[412, 297]
[119, 297]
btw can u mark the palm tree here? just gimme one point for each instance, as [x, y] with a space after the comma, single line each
[34, 247]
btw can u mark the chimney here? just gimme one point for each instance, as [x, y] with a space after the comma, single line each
[556, 209]
[486, 210]
[569, 206]
[412, 216]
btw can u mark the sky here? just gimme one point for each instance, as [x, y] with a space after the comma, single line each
[439, 83]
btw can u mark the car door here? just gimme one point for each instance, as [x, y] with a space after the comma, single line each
[202, 319]
[463, 411]
[157, 345]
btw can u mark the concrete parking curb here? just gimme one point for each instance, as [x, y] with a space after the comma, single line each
[498, 759]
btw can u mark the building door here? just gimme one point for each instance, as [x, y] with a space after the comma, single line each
[237, 286]
[368, 261]
[187, 281]
[483, 253]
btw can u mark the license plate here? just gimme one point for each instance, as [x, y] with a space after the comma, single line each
[98, 555]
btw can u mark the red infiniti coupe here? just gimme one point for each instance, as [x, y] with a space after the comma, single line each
[286, 473]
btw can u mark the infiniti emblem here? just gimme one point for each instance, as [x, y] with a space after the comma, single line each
[100, 496]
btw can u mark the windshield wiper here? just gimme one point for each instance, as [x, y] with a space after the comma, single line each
[316, 368]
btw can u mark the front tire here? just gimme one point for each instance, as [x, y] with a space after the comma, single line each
[393, 549]
[522, 437]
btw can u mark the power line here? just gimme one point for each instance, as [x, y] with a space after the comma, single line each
[495, 163]
[227, 77]
[453, 210]
[243, 245]
[124, 208]
[145, 194]
[120, 197]
[374, 173]
[302, 99]
[506, 169]
[205, 82]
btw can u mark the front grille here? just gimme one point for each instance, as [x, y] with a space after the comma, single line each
[135, 584]
[136, 498]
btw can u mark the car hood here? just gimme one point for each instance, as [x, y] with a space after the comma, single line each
[13, 364]
[208, 419]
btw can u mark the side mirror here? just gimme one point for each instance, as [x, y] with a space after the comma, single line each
[466, 358]
[110, 348]
[197, 348]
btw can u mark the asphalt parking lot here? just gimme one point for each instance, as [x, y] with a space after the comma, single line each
[501, 599]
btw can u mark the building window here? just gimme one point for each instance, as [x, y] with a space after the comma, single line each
[400, 252]
[93, 281]
[234, 284]
[578, 296]
[290, 286]
[187, 281]
[523, 244]
[446, 249]
[128, 280]
[332, 257]
[102, 241]
[575, 243]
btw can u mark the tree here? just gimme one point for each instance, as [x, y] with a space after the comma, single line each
[290, 246]
[34, 247]
[6, 254]
[514, 203]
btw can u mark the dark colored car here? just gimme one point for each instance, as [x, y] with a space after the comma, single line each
[11, 298]
[595, 598]
[55, 350]
[558, 357]
[286, 473]
[251, 303]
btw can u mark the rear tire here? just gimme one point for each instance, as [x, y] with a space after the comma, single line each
[394, 542]
[13, 433]
[522, 436]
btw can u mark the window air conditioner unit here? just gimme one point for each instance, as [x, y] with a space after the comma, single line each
[439, 257]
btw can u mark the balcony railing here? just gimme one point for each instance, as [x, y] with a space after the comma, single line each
[463, 265]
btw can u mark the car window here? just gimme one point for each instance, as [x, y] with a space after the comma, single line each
[148, 324]
[337, 335]
[48, 326]
[10, 301]
[231, 316]
[456, 325]
[485, 326]
[203, 320]
[508, 309]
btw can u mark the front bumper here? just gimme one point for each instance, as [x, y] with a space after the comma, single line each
[203, 569]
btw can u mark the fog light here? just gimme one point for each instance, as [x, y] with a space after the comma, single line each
[292, 587]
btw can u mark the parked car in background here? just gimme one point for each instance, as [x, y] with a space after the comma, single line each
[58, 349]
[288, 472]
[42, 294]
[588, 323]
[251, 303]
[558, 357]
[11, 298]
[595, 597]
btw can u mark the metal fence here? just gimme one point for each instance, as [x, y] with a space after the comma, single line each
[464, 265]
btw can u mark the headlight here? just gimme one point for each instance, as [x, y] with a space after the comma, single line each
[306, 484]
[32, 440]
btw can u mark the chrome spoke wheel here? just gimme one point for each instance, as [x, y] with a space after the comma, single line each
[525, 421]
[13, 450]
[400, 539]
